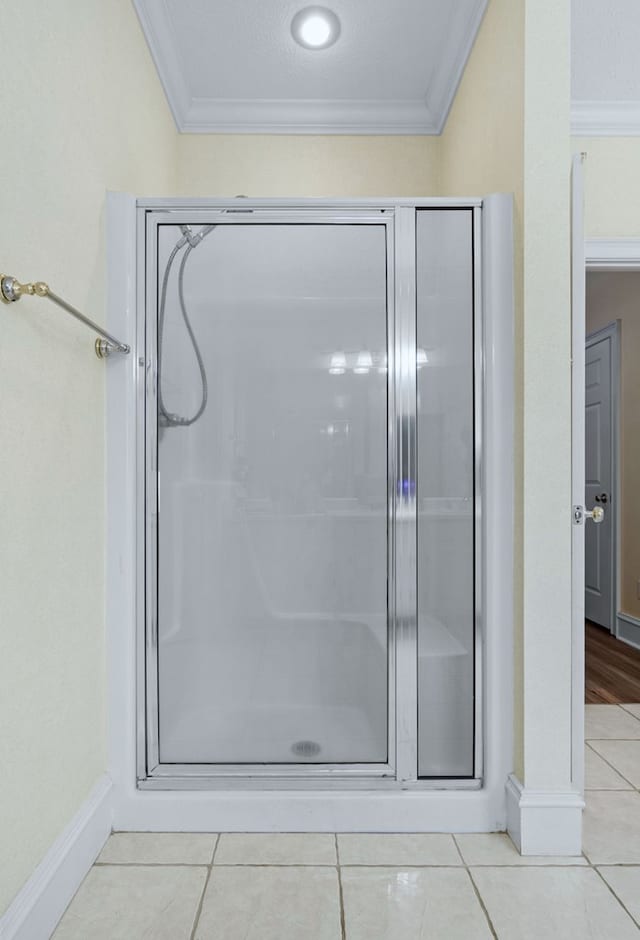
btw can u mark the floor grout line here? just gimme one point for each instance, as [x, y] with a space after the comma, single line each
[393, 865]
[455, 842]
[619, 900]
[215, 848]
[151, 865]
[623, 705]
[612, 766]
[343, 927]
[475, 887]
[196, 919]
[617, 865]
[481, 903]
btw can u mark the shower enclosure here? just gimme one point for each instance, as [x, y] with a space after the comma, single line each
[312, 527]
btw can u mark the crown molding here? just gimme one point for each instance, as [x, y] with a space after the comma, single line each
[421, 116]
[605, 118]
[455, 54]
[306, 116]
[156, 26]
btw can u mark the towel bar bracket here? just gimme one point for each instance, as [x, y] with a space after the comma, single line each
[12, 290]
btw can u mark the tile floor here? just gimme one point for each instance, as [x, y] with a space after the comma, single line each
[381, 887]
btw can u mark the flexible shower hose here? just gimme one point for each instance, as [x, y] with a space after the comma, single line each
[167, 418]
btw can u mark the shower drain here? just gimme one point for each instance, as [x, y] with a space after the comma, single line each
[306, 748]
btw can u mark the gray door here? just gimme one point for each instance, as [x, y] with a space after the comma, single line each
[598, 482]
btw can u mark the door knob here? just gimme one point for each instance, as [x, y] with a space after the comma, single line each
[602, 498]
[580, 513]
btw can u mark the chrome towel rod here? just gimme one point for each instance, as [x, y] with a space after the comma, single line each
[12, 290]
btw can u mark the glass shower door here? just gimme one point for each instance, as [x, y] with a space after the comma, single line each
[272, 493]
[447, 512]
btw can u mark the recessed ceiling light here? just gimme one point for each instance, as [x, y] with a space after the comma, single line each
[315, 27]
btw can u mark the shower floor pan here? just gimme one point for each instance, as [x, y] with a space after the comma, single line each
[309, 691]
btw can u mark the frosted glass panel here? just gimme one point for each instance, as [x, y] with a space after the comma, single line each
[445, 493]
[272, 547]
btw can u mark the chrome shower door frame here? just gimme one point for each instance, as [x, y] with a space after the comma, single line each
[401, 769]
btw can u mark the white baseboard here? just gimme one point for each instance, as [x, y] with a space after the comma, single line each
[628, 629]
[37, 908]
[544, 822]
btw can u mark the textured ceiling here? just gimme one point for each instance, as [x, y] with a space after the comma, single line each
[232, 65]
[605, 67]
[235, 66]
[605, 50]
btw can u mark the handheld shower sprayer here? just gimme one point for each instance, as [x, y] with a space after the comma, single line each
[167, 418]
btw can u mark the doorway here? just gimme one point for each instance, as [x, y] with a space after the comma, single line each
[612, 590]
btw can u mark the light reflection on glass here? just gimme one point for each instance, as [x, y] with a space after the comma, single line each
[363, 362]
[338, 363]
[421, 357]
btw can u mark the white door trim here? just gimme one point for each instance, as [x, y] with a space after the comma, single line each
[612, 254]
[600, 254]
[612, 332]
[578, 291]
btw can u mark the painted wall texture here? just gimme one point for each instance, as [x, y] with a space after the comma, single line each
[615, 296]
[87, 113]
[612, 184]
[271, 165]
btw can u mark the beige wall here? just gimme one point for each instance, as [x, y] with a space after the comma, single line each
[263, 165]
[82, 112]
[612, 183]
[616, 296]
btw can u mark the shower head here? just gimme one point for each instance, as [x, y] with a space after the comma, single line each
[204, 232]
